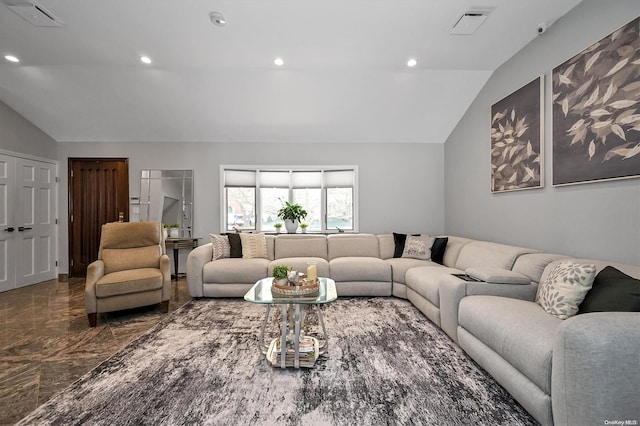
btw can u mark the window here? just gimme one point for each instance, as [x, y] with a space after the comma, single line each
[252, 197]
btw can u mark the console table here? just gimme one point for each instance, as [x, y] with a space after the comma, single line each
[179, 243]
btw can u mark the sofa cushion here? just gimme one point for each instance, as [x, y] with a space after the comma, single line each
[300, 264]
[127, 282]
[452, 252]
[612, 291]
[565, 287]
[234, 271]
[525, 340]
[387, 246]
[300, 246]
[532, 264]
[360, 269]
[483, 253]
[418, 247]
[426, 281]
[400, 266]
[352, 245]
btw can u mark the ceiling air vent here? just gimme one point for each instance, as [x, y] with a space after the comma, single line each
[36, 14]
[468, 22]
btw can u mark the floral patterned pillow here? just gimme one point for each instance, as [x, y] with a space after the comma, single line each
[565, 287]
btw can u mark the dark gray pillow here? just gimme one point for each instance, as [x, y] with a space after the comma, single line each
[438, 248]
[236, 245]
[612, 291]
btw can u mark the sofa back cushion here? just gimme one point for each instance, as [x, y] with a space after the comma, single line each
[387, 246]
[353, 245]
[454, 246]
[300, 246]
[483, 253]
[532, 264]
[631, 270]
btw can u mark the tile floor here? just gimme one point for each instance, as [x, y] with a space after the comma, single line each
[46, 342]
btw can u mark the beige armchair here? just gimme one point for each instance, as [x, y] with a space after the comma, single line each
[132, 269]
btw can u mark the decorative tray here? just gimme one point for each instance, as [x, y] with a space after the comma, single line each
[297, 290]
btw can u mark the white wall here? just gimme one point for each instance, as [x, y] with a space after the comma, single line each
[19, 135]
[596, 220]
[401, 186]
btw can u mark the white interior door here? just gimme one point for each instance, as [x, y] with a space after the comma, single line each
[28, 235]
[7, 223]
[36, 230]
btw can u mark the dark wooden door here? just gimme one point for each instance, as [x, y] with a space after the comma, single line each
[98, 194]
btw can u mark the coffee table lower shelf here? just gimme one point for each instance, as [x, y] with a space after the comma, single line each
[307, 354]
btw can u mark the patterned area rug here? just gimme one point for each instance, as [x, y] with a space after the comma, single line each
[386, 364]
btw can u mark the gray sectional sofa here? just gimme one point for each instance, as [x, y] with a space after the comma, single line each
[579, 371]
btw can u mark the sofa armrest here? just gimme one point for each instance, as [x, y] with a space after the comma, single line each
[198, 257]
[596, 369]
[454, 289]
[95, 271]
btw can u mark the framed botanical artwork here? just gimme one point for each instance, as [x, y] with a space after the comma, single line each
[517, 139]
[596, 111]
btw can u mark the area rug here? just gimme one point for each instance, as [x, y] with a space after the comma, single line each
[386, 365]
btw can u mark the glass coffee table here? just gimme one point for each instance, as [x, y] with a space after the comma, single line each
[299, 351]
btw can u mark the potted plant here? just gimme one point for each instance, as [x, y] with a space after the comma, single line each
[303, 227]
[291, 214]
[280, 274]
[173, 229]
[277, 226]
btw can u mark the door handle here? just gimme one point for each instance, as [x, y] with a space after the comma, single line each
[22, 228]
[10, 229]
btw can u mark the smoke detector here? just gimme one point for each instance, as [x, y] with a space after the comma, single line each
[468, 22]
[36, 15]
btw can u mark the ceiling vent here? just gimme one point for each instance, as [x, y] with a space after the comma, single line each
[468, 22]
[36, 14]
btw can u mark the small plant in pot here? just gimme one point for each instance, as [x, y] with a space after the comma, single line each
[303, 227]
[280, 274]
[292, 214]
[277, 226]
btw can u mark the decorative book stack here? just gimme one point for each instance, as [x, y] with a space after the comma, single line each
[308, 352]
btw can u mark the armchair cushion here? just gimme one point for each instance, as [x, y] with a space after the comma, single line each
[131, 258]
[127, 282]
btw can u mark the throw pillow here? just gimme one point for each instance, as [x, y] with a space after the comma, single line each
[236, 245]
[565, 287]
[253, 246]
[612, 291]
[398, 243]
[438, 248]
[418, 247]
[221, 247]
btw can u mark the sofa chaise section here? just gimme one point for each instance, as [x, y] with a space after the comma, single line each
[560, 371]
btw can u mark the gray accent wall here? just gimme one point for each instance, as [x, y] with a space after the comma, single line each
[19, 135]
[401, 185]
[595, 220]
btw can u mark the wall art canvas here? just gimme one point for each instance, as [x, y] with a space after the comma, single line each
[517, 140]
[596, 111]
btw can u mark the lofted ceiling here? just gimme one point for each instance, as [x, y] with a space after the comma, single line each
[344, 79]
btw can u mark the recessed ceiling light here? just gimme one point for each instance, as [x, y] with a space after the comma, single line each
[412, 63]
[11, 58]
[278, 61]
[218, 19]
[145, 59]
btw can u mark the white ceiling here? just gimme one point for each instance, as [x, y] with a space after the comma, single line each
[344, 79]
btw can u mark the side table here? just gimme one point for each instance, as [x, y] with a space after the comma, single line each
[179, 243]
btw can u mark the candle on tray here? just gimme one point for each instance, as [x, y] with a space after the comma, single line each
[312, 273]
